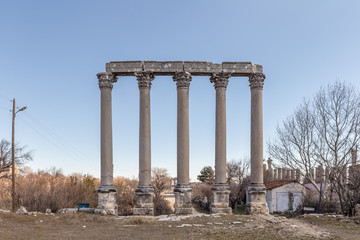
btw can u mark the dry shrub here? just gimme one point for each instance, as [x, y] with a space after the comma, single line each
[5, 193]
[51, 189]
[201, 195]
[40, 190]
[125, 197]
[161, 206]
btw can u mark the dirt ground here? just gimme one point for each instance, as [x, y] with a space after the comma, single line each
[88, 226]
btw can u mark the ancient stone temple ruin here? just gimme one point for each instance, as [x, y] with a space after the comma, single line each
[182, 73]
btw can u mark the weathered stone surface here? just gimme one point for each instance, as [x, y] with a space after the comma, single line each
[165, 68]
[124, 67]
[182, 203]
[129, 68]
[67, 210]
[202, 68]
[87, 210]
[220, 199]
[144, 201]
[21, 210]
[256, 202]
[237, 68]
[106, 204]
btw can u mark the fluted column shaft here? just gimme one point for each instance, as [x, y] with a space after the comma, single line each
[220, 83]
[106, 84]
[182, 80]
[256, 86]
[144, 83]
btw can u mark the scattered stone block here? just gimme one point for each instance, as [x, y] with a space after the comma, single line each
[22, 210]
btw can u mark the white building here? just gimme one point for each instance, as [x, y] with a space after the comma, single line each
[284, 195]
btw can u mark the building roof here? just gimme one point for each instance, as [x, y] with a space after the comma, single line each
[279, 183]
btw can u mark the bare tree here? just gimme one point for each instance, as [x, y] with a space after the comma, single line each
[322, 132]
[237, 178]
[161, 182]
[294, 145]
[21, 155]
[337, 110]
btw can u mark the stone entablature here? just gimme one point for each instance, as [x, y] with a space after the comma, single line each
[195, 68]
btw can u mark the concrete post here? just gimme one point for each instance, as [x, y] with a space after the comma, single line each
[284, 173]
[275, 174]
[257, 192]
[280, 176]
[144, 192]
[292, 174]
[106, 191]
[298, 175]
[220, 190]
[183, 188]
[353, 156]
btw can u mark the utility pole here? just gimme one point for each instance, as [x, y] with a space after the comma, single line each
[13, 155]
[13, 158]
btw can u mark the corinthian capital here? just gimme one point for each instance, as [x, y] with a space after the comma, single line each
[144, 79]
[182, 79]
[256, 80]
[220, 79]
[106, 79]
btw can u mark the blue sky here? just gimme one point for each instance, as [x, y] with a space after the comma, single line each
[50, 52]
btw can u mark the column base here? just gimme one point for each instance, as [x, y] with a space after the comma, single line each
[144, 201]
[106, 201]
[256, 200]
[183, 204]
[220, 199]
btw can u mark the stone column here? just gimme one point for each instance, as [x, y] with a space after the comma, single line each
[144, 192]
[256, 191]
[220, 190]
[106, 191]
[183, 188]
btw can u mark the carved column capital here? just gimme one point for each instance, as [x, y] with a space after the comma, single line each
[106, 79]
[256, 80]
[182, 79]
[220, 79]
[144, 79]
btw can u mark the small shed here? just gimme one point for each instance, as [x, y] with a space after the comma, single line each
[284, 195]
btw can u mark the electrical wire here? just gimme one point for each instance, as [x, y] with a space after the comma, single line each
[59, 139]
[60, 148]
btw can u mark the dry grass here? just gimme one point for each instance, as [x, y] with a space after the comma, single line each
[87, 226]
[139, 221]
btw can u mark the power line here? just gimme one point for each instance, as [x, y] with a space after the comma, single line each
[9, 99]
[60, 139]
[62, 149]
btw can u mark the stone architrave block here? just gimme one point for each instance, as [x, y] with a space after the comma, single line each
[124, 68]
[163, 68]
[257, 68]
[202, 68]
[237, 68]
